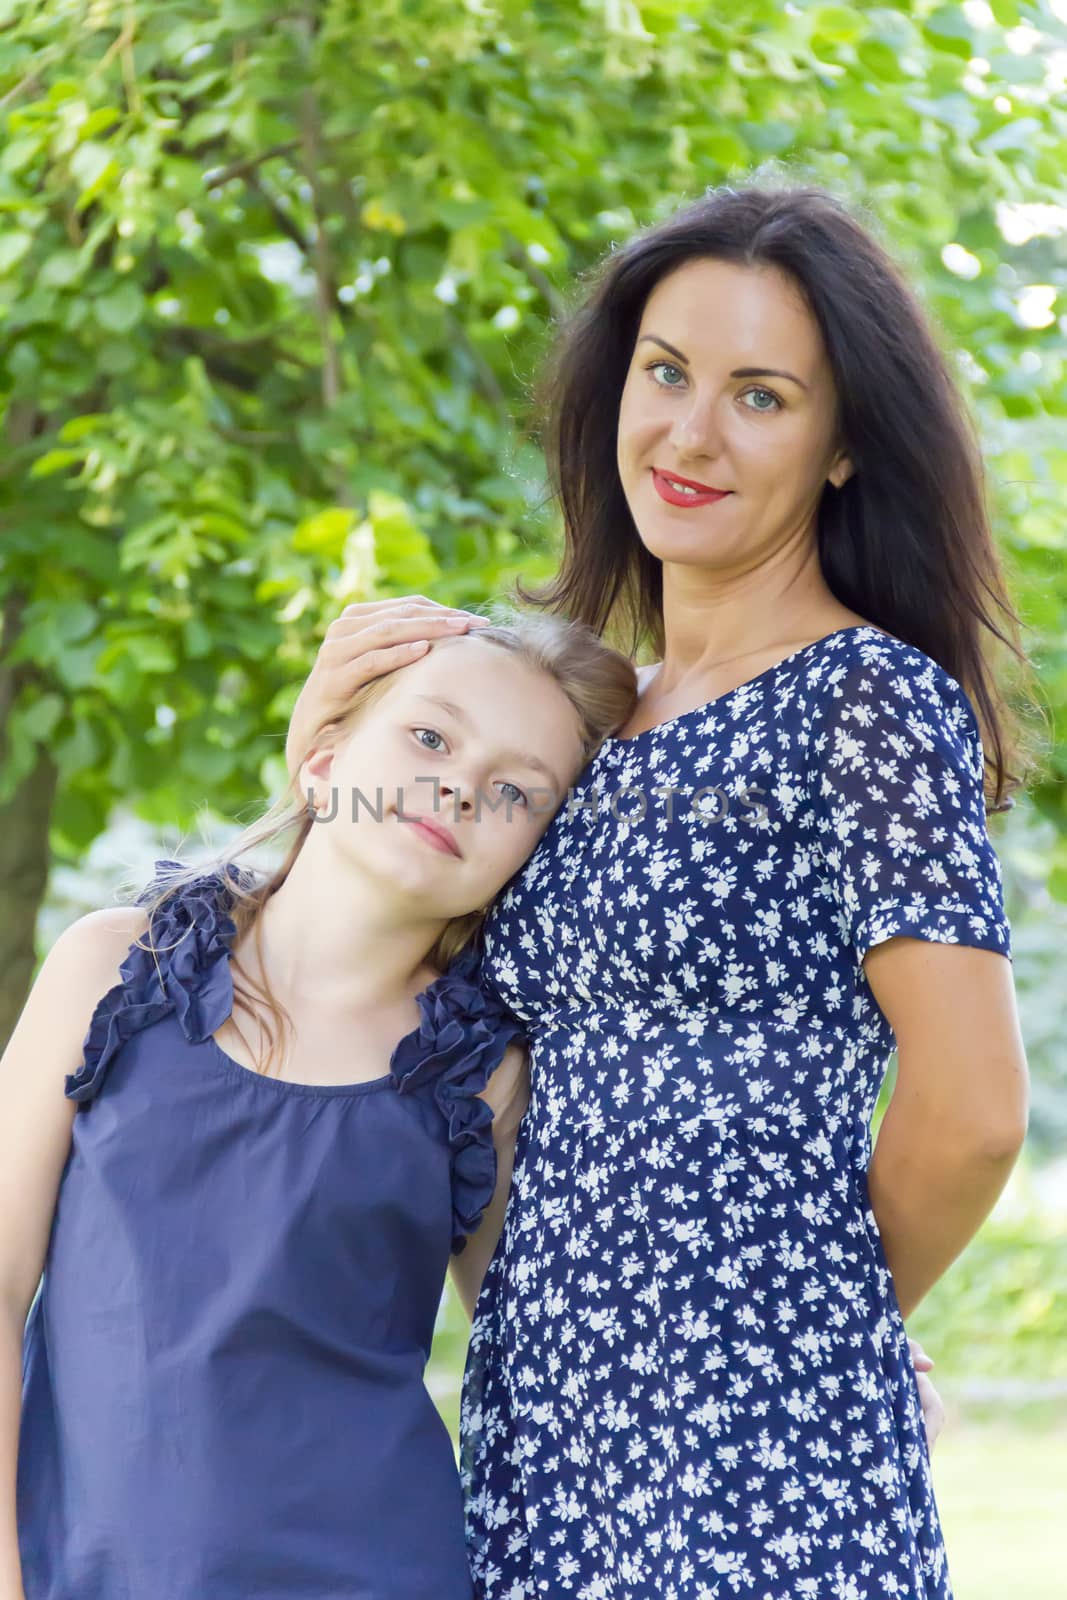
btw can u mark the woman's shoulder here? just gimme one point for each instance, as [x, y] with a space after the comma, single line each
[877, 706]
[864, 663]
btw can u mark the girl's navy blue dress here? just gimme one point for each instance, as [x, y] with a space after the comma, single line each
[688, 1376]
[224, 1388]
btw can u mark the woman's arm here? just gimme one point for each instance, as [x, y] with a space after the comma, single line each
[34, 1143]
[957, 1118]
[508, 1092]
[364, 642]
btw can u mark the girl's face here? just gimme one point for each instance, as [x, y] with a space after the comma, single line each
[727, 424]
[446, 783]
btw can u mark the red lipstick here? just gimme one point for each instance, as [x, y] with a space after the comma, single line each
[685, 491]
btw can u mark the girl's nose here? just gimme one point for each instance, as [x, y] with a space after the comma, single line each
[458, 795]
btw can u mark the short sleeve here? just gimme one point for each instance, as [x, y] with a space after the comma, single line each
[896, 785]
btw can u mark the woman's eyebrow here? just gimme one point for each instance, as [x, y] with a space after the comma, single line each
[738, 372]
[767, 372]
[655, 339]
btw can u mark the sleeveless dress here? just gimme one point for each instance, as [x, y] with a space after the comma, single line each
[223, 1392]
[688, 1376]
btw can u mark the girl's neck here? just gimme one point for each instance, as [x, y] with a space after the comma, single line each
[340, 943]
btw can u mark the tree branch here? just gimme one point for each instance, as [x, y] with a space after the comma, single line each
[540, 280]
[286, 224]
[248, 164]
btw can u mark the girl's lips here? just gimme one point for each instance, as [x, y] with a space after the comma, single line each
[693, 495]
[433, 833]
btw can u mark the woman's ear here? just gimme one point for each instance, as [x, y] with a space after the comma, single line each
[840, 472]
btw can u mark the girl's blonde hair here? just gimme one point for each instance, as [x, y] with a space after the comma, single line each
[599, 683]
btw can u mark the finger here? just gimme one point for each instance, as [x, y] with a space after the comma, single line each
[920, 1360]
[933, 1410]
[404, 605]
[359, 607]
[353, 627]
[372, 665]
[341, 647]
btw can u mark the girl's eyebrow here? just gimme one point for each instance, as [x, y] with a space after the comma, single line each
[506, 755]
[738, 372]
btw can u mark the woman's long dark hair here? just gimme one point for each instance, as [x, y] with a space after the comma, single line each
[906, 541]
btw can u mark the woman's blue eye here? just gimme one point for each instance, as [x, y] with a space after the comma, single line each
[662, 371]
[433, 735]
[762, 395]
[521, 797]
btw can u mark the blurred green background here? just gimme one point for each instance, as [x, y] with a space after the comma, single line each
[274, 283]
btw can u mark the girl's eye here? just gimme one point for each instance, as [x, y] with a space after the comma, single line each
[433, 735]
[667, 375]
[520, 796]
[762, 400]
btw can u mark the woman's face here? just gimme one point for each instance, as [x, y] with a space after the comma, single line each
[445, 784]
[727, 424]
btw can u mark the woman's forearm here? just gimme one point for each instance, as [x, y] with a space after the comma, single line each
[931, 1189]
[10, 1411]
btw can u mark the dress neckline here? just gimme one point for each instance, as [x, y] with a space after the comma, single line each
[357, 1086]
[297, 1086]
[727, 694]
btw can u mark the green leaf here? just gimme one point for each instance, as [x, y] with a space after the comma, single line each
[80, 751]
[83, 427]
[402, 550]
[949, 29]
[54, 461]
[19, 153]
[839, 24]
[15, 245]
[37, 721]
[119, 309]
[62, 269]
[92, 166]
[325, 533]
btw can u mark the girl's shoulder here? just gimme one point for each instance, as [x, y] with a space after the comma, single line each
[83, 963]
[178, 938]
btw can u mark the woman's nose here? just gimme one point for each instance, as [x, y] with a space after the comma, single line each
[697, 431]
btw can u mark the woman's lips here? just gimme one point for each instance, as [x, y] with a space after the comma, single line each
[684, 492]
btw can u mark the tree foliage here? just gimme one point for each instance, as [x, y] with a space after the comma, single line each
[274, 280]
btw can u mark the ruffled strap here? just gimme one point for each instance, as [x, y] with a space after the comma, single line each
[461, 1039]
[187, 971]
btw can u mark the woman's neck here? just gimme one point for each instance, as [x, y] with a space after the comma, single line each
[711, 618]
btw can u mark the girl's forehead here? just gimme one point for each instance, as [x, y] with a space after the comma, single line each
[475, 676]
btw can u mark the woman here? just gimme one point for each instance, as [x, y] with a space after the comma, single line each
[284, 1122]
[688, 1374]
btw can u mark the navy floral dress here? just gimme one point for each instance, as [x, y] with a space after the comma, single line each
[688, 1377]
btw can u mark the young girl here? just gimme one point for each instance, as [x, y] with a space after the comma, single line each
[248, 1220]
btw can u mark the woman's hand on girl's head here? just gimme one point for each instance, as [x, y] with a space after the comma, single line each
[364, 642]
